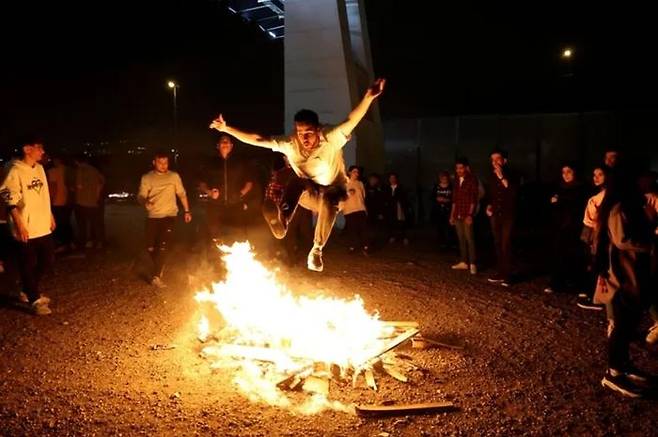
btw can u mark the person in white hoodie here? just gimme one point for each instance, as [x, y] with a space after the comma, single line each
[25, 193]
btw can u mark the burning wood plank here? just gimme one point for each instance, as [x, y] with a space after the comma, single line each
[403, 409]
[314, 384]
[395, 373]
[370, 380]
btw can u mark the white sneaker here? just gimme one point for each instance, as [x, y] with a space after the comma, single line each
[314, 260]
[460, 266]
[40, 307]
[652, 336]
[474, 269]
[157, 282]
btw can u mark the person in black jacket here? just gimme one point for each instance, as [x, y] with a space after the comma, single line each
[501, 209]
[567, 204]
[441, 201]
[229, 185]
[397, 211]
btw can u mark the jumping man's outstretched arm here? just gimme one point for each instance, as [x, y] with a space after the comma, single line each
[249, 138]
[361, 109]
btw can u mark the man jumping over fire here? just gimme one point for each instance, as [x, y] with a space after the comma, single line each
[315, 153]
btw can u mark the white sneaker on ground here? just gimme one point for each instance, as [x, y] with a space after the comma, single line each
[314, 260]
[548, 290]
[460, 266]
[157, 282]
[652, 336]
[474, 269]
[22, 297]
[40, 307]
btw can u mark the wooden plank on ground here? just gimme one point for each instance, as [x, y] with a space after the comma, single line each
[440, 344]
[403, 409]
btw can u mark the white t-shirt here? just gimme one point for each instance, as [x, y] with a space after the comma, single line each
[325, 164]
[356, 198]
[26, 188]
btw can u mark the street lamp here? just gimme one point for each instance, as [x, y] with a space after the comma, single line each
[174, 87]
[567, 54]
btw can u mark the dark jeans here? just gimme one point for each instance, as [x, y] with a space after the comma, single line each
[35, 259]
[626, 315]
[159, 233]
[397, 229]
[356, 225]
[8, 255]
[90, 224]
[299, 234]
[466, 238]
[64, 230]
[226, 221]
[568, 260]
[501, 227]
[445, 232]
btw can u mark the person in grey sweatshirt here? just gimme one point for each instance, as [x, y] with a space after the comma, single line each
[158, 191]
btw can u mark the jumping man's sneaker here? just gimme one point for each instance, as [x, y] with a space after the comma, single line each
[314, 261]
[275, 219]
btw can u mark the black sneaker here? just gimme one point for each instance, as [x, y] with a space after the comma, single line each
[314, 260]
[639, 377]
[496, 279]
[585, 302]
[619, 382]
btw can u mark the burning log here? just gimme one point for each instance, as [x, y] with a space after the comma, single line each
[404, 409]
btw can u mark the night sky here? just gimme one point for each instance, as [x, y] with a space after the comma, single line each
[97, 71]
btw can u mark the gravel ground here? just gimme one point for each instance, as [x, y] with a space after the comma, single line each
[531, 362]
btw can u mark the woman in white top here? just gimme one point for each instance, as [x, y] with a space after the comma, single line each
[590, 220]
[354, 210]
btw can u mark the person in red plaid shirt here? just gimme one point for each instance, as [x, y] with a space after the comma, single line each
[464, 203]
